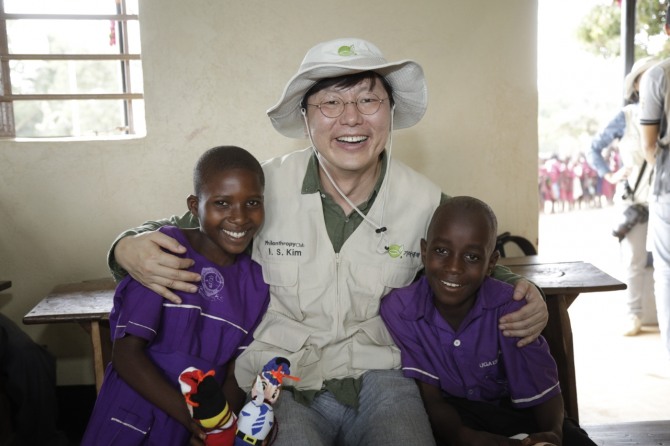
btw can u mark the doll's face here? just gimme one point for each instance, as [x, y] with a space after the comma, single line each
[270, 391]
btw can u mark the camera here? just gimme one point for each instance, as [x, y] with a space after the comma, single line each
[634, 214]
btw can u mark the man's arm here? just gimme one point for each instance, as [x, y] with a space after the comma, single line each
[528, 322]
[649, 136]
[141, 252]
[612, 131]
[653, 85]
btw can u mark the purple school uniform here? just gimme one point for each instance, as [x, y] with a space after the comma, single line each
[210, 328]
[475, 362]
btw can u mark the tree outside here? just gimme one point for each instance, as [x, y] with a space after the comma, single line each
[585, 90]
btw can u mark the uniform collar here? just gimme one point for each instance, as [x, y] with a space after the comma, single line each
[426, 310]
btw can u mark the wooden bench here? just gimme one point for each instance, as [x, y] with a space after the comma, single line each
[641, 433]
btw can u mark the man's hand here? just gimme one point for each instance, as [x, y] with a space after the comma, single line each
[141, 255]
[528, 322]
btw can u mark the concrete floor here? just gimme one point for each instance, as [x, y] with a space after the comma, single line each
[618, 378]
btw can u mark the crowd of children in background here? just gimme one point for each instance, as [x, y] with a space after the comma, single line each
[570, 183]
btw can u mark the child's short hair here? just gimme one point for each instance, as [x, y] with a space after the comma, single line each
[222, 158]
[465, 204]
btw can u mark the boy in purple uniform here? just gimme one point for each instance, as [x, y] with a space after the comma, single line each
[478, 387]
[140, 401]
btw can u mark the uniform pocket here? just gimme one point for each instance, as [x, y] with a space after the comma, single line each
[131, 427]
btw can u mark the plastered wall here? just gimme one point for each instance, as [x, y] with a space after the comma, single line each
[211, 70]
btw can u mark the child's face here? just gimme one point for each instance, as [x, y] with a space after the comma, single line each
[458, 254]
[230, 210]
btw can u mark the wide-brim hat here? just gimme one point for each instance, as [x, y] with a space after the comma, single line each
[636, 71]
[341, 57]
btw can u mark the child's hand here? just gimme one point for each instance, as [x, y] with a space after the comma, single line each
[195, 441]
[470, 437]
[198, 435]
[542, 439]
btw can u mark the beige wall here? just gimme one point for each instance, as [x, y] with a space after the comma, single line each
[211, 69]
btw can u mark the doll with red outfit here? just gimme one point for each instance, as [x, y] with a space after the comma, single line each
[255, 424]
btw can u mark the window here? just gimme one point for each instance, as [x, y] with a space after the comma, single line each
[70, 68]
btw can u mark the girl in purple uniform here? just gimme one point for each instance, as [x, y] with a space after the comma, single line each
[478, 387]
[140, 402]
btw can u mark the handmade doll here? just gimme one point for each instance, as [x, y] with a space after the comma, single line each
[209, 408]
[256, 424]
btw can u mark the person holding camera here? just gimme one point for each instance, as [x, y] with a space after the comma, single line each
[633, 181]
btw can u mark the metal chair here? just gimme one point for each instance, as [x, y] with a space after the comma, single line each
[524, 244]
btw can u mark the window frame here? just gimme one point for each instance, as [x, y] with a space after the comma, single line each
[7, 98]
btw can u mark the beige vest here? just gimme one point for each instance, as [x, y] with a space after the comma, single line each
[324, 307]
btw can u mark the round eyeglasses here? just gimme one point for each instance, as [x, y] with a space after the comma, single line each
[367, 104]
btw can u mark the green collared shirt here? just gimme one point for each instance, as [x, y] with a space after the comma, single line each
[339, 225]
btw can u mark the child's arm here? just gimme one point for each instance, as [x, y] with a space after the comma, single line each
[447, 424]
[132, 364]
[549, 417]
[231, 390]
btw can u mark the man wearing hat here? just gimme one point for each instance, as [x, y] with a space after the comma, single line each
[633, 179]
[343, 227]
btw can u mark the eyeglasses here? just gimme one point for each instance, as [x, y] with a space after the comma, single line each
[367, 104]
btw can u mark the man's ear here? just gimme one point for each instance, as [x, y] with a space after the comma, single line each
[667, 29]
[192, 204]
[493, 261]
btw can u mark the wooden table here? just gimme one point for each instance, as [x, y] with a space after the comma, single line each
[87, 303]
[4, 284]
[562, 282]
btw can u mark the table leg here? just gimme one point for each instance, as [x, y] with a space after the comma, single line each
[102, 348]
[558, 334]
[98, 365]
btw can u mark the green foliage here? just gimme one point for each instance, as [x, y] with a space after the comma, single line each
[600, 30]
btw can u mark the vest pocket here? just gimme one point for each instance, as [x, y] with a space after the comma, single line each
[282, 274]
[398, 276]
[373, 347]
[282, 332]
[283, 280]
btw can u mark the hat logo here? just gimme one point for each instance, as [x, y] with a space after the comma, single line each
[346, 50]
